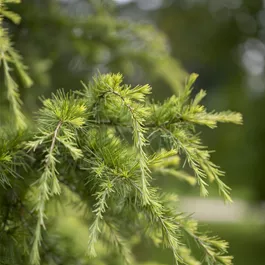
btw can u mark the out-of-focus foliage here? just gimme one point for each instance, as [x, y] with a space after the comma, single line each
[66, 41]
[9, 58]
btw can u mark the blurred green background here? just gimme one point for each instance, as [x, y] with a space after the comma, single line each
[63, 42]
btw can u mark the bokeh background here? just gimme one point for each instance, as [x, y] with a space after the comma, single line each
[65, 41]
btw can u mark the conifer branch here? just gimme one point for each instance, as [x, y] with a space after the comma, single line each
[9, 56]
[81, 140]
[167, 163]
[128, 97]
[13, 97]
[158, 214]
[198, 159]
[187, 256]
[214, 249]
[58, 113]
[139, 142]
[116, 239]
[73, 142]
[11, 158]
[179, 174]
[106, 188]
[47, 186]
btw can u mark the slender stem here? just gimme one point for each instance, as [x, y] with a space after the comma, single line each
[55, 136]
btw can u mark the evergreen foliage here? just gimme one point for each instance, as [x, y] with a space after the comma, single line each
[10, 57]
[88, 36]
[97, 151]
